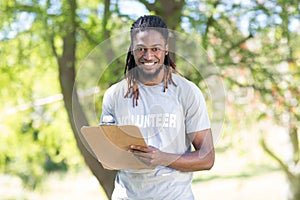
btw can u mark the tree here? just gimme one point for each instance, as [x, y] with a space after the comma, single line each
[66, 63]
[281, 87]
[58, 26]
[265, 58]
[30, 145]
[67, 32]
[67, 26]
[62, 29]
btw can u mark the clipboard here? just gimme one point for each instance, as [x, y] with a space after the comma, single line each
[110, 144]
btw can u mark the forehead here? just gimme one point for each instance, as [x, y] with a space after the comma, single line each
[148, 38]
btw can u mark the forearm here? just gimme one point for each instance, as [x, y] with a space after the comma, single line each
[193, 161]
[201, 159]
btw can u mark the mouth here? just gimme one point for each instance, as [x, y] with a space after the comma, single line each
[149, 63]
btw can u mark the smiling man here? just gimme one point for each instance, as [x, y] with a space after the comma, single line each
[149, 55]
[170, 112]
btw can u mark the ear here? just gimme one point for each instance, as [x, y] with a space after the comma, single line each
[167, 49]
[131, 48]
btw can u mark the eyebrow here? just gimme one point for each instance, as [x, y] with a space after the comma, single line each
[154, 45]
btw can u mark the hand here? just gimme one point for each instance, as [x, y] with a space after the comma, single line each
[149, 155]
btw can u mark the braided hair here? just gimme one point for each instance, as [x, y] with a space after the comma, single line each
[147, 22]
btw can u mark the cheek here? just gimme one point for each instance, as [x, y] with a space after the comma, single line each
[162, 58]
[136, 58]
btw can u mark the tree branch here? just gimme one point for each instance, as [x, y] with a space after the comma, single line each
[260, 89]
[106, 16]
[87, 35]
[149, 6]
[209, 23]
[283, 166]
[53, 47]
[295, 143]
[27, 8]
[117, 10]
[238, 43]
[50, 33]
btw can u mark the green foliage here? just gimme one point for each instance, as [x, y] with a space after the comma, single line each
[35, 135]
[259, 63]
[37, 138]
[40, 144]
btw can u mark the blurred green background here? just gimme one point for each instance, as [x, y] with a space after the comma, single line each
[254, 46]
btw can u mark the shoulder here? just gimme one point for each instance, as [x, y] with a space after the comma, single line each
[184, 84]
[116, 88]
[114, 92]
[189, 94]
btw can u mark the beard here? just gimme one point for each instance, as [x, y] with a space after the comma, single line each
[149, 76]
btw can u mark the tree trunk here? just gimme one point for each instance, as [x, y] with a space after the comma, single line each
[171, 12]
[291, 169]
[76, 115]
[294, 188]
[294, 181]
[78, 119]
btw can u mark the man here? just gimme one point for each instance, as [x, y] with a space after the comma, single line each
[170, 112]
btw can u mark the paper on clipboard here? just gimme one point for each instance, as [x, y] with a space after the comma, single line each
[111, 142]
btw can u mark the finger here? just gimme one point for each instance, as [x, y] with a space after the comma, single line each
[144, 160]
[141, 154]
[141, 148]
[135, 151]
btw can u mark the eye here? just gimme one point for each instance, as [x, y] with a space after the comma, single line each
[155, 49]
[139, 49]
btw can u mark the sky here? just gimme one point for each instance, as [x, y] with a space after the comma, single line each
[135, 9]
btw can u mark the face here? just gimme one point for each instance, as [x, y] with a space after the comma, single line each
[149, 50]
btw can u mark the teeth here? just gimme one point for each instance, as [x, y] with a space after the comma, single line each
[149, 63]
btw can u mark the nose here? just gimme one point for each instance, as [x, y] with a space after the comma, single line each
[148, 54]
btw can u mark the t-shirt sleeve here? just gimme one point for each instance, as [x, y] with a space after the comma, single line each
[196, 115]
[107, 107]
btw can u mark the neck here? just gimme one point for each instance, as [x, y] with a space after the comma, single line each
[152, 79]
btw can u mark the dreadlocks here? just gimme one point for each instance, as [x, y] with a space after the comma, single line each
[144, 23]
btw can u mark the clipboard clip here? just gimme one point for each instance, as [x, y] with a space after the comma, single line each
[108, 120]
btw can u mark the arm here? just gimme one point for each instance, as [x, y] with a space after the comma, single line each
[200, 159]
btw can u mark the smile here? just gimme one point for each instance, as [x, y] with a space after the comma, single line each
[149, 63]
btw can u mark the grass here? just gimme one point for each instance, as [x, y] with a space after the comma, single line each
[229, 182]
[241, 171]
[250, 172]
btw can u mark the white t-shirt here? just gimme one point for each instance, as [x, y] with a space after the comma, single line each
[165, 119]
